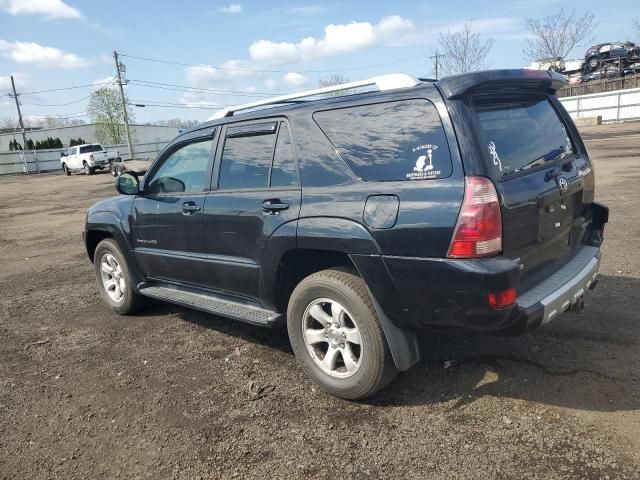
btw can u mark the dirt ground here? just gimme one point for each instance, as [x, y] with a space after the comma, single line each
[171, 393]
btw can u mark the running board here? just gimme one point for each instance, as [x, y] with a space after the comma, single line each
[211, 303]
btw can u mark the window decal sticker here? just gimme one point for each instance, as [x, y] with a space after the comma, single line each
[494, 155]
[424, 168]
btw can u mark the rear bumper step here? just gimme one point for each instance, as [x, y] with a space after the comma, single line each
[214, 304]
[565, 288]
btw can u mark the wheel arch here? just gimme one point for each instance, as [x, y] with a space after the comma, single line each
[101, 225]
[320, 243]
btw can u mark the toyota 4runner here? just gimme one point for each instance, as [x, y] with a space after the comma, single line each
[360, 219]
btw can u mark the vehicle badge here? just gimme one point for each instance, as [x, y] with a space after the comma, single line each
[563, 184]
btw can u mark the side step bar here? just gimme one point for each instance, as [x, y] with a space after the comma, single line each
[211, 303]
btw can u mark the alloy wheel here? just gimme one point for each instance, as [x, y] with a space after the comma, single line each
[332, 338]
[112, 277]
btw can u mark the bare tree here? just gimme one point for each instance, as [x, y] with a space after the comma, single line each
[464, 51]
[554, 36]
[332, 80]
[9, 123]
[636, 24]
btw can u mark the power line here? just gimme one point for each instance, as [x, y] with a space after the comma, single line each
[56, 104]
[186, 88]
[152, 103]
[67, 88]
[255, 70]
[71, 115]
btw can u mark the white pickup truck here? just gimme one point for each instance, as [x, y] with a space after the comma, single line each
[87, 158]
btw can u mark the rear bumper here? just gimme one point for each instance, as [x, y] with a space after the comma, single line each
[564, 289]
[452, 294]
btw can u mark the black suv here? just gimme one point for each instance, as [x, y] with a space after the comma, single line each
[625, 52]
[463, 204]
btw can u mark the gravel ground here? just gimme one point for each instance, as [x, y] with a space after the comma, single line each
[173, 393]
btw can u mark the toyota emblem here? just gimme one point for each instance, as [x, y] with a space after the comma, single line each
[563, 184]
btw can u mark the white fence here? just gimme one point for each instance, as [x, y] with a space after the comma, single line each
[617, 106]
[49, 160]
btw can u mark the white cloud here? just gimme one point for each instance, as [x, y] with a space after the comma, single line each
[19, 79]
[337, 39]
[49, 8]
[231, 8]
[270, 84]
[109, 81]
[42, 56]
[295, 79]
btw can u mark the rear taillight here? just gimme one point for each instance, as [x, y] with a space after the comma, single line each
[504, 299]
[91, 156]
[478, 231]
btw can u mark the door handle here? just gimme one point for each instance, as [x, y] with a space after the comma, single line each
[274, 205]
[189, 208]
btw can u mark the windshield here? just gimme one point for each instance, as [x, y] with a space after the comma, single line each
[521, 134]
[91, 148]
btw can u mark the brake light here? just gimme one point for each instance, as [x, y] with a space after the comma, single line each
[91, 156]
[503, 299]
[478, 232]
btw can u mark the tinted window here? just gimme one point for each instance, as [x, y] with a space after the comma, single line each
[284, 172]
[401, 140]
[246, 161]
[91, 148]
[521, 134]
[185, 170]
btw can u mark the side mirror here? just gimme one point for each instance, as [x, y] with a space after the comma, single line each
[63, 154]
[127, 184]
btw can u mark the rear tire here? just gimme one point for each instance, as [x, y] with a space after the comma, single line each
[336, 335]
[66, 170]
[114, 279]
[88, 170]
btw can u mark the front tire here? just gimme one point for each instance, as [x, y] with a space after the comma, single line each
[336, 335]
[114, 279]
[66, 170]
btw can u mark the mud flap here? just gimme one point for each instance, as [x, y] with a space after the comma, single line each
[402, 343]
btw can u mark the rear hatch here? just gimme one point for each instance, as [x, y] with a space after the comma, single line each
[542, 174]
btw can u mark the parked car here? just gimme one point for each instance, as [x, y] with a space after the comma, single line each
[608, 72]
[359, 220]
[87, 158]
[626, 52]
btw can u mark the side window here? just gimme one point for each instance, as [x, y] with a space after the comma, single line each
[246, 159]
[184, 171]
[284, 172]
[401, 140]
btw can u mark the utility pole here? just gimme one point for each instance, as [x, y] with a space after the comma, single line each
[24, 135]
[436, 62]
[124, 105]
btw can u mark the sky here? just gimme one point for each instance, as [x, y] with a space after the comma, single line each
[215, 53]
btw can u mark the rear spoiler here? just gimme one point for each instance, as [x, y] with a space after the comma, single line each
[460, 85]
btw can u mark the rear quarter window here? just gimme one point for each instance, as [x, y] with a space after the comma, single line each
[91, 148]
[390, 141]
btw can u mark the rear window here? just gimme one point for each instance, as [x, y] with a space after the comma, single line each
[91, 148]
[402, 140]
[521, 134]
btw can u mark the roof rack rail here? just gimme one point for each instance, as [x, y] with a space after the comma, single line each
[383, 82]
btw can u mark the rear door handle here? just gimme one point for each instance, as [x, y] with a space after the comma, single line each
[189, 208]
[274, 205]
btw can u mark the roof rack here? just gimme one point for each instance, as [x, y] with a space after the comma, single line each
[383, 82]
